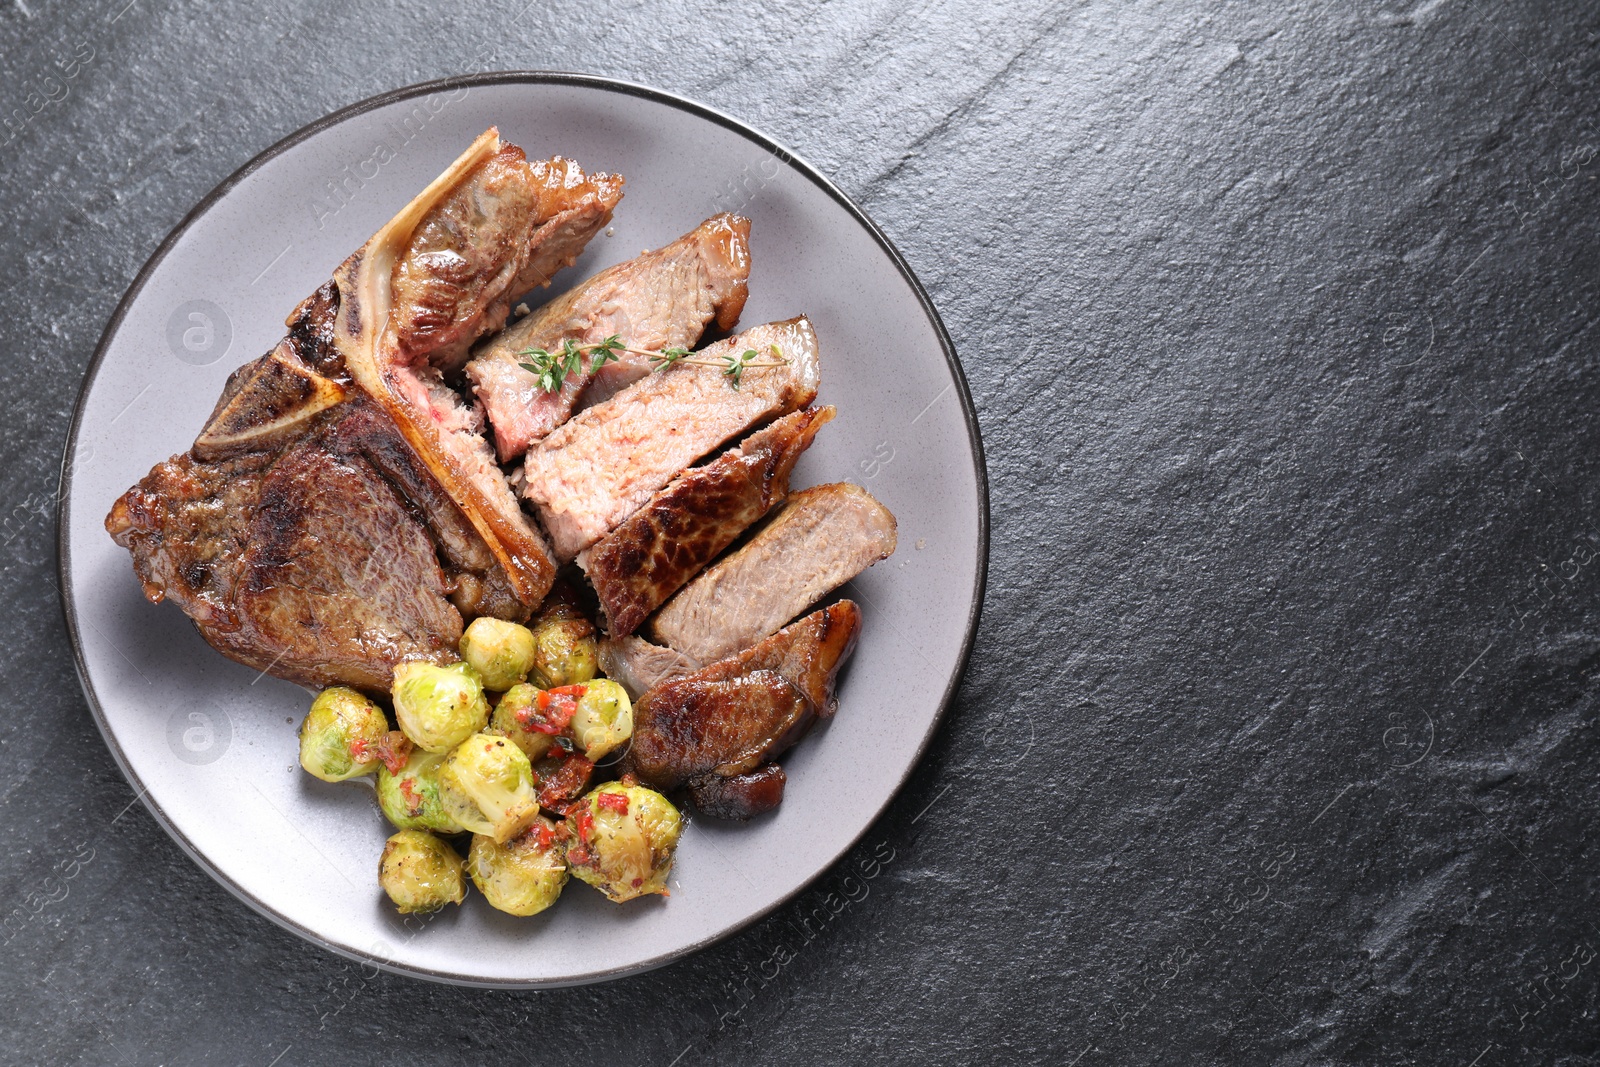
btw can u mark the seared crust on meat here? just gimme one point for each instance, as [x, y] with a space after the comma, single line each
[734, 715]
[661, 546]
[742, 797]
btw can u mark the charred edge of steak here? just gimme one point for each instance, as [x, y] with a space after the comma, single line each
[742, 797]
[311, 326]
[659, 548]
[731, 717]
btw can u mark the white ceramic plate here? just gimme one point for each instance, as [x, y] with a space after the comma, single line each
[210, 746]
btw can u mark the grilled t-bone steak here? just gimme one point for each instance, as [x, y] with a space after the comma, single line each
[641, 563]
[607, 461]
[338, 513]
[821, 538]
[662, 299]
[712, 731]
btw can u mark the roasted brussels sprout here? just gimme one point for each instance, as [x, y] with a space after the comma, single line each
[501, 652]
[517, 717]
[524, 875]
[439, 707]
[622, 840]
[342, 736]
[565, 649]
[410, 798]
[486, 784]
[420, 872]
[604, 718]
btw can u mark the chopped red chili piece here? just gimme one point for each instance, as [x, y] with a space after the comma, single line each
[408, 789]
[546, 836]
[585, 821]
[617, 802]
[578, 854]
[393, 749]
[637, 882]
[569, 690]
[552, 710]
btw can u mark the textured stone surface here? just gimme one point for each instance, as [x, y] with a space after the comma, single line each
[1278, 743]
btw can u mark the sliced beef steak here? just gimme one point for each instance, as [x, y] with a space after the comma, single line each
[662, 299]
[307, 532]
[608, 460]
[641, 563]
[638, 666]
[820, 539]
[727, 719]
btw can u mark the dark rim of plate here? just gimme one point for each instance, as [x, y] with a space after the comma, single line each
[589, 81]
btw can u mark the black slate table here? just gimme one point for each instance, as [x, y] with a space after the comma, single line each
[1278, 743]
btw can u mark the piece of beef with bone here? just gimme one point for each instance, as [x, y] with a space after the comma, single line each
[661, 299]
[604, 463]
[636, 567]
[313, 531]
[437, 277]
[716, 731]
[821, 538]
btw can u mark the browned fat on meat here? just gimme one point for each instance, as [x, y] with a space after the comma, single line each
[641, 563]
[307, 532]
[607, 461]
[729, 718]
[662, 299]
[822, 538]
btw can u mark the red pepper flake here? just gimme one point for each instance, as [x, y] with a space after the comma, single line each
[617, 802]
[569, 690]
[585, 821]
[578, 854]
[552, 710]
[567, 782]
[546, 837]
[393, 748]
[408, 789]
[637, 882]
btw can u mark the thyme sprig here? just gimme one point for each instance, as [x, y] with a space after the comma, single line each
[550, 369]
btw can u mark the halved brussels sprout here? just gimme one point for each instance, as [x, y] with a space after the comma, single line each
[410, 797]
[516, 715]
[420, 872]
[501, 652]
[524, 875]
[604, 719]
[622, 840]
[439, 707]
[565, 649]
[342, 736]
[486, 784]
